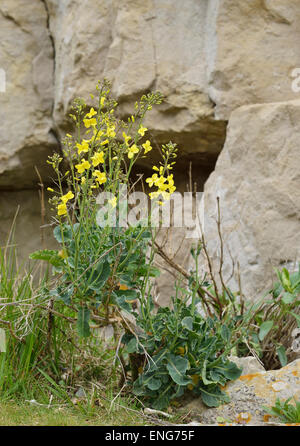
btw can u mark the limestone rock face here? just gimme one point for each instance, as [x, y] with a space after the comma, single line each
[26, 56]
[258, 181]
[253, 52]
[248, 394]
[141, 46]
[192, 54]
[249, 364]
[208, 58]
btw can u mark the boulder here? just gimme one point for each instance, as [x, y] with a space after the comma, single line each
[26, 56]
[248, 365]
[258, 183]
[248, 394]
[252, 53]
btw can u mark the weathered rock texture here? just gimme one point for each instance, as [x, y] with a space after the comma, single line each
[257, 178]
[26, 55]
[141, 45]
[249, 393]
[207, 57]
[254, 52]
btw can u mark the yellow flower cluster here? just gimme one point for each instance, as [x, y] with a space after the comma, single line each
[84, 165]
[110, 130]
[89, 120]
[142, 130]
[97, 158]
[62, 207]
[147, 146]
[100, 176]
[165, 185]
[83, 147]
[132, 151]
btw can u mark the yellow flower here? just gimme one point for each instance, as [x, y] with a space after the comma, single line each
[83, 180]
[98, 158]
[100, 176]
[171, 186]
[152, 180]
[132, 150]
[90, 122]
[147, 146]
[50, 189]
[91, 113]
[68, 135]
[67, 197]
[62, 209]
[104, 142]
[170, 180]
[126, 138]
[83, 166]
[160, 183]
[102, 100]
[111, 131]
[113, 202]
[142, 130]
[83, 147]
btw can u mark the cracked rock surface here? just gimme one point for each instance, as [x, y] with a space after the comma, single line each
[209, 58]
[249, 393]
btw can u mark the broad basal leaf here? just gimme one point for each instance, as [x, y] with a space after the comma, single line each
[213, 396]
[282, 355]
[264, 329]
[230, 370]
[225, 333]
[63, 233]
[187, 322]
[177, 367]
[98, 276]
[83, 326]
[152, 383]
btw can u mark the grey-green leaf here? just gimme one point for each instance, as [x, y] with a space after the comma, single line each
[187, 322]
[282, 355]
[264, 329]
[83, 326]
[177, 367]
